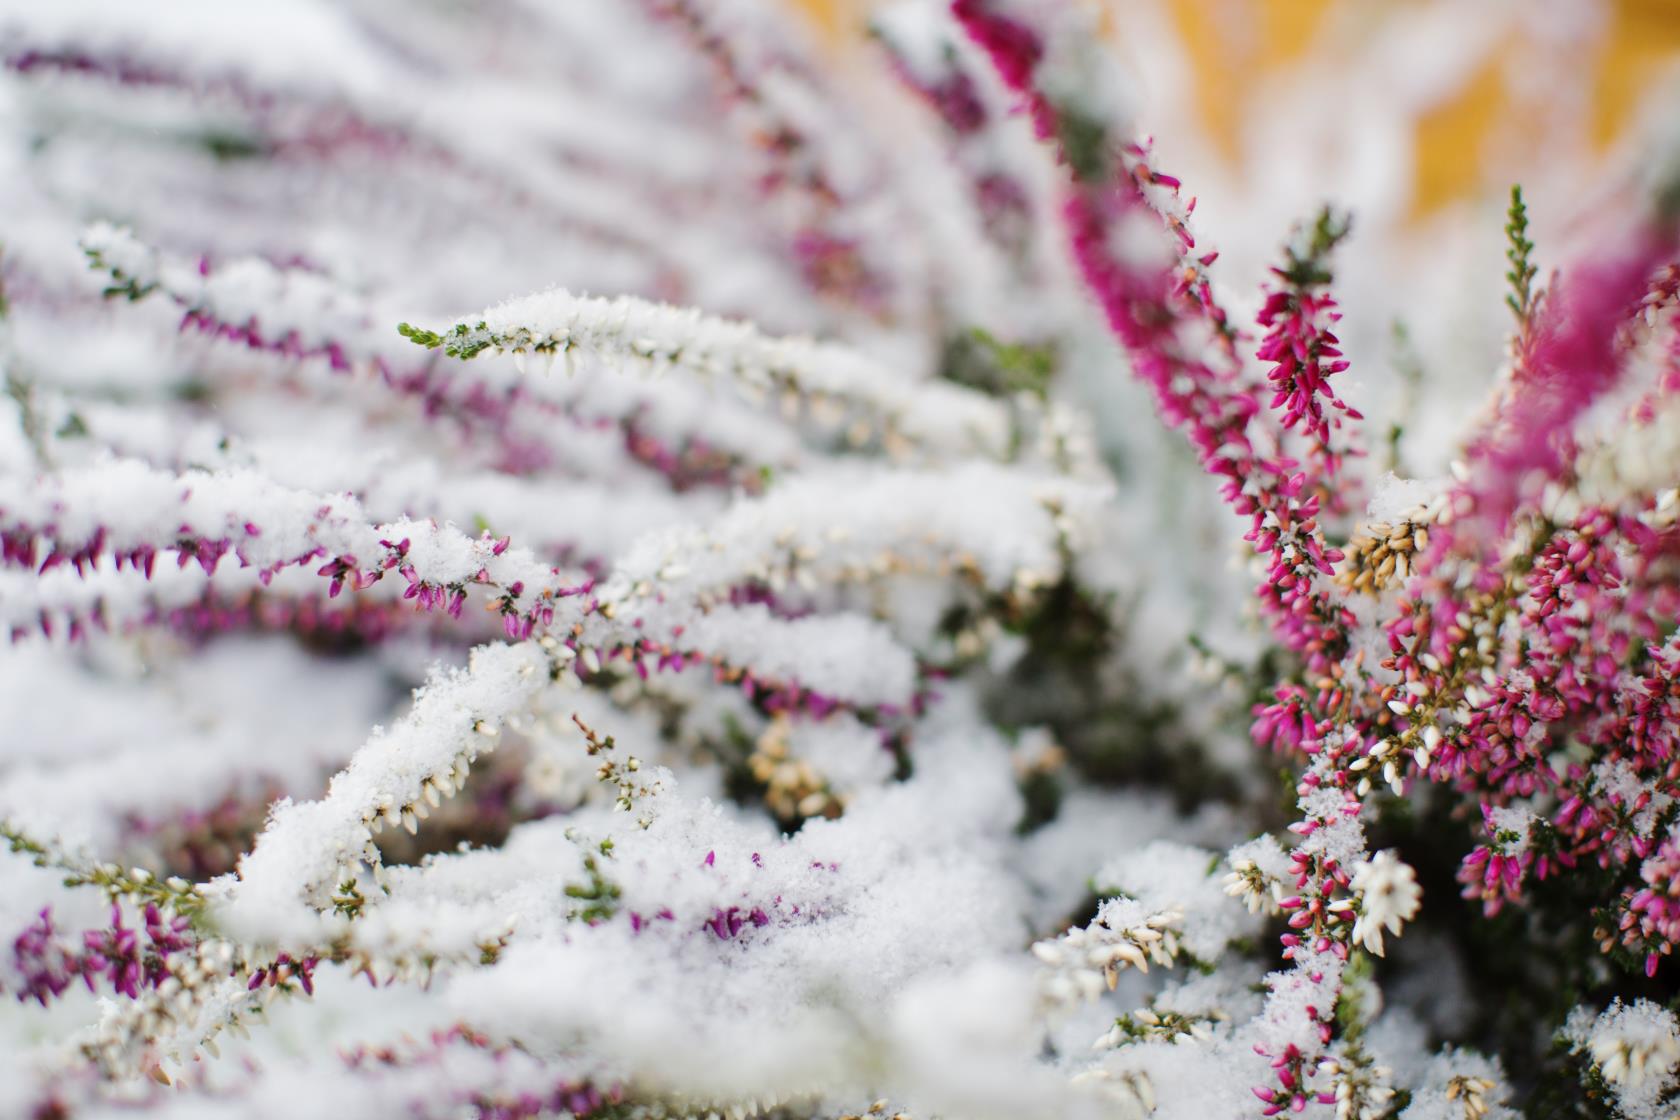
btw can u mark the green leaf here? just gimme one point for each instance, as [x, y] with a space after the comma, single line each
[1519, 251]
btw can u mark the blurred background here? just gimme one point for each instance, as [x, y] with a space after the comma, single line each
[1499, 81]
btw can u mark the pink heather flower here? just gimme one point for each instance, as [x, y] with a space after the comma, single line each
[1572, 361]
[46, 965]
[1298, 348]
[1015, 51]
[1149, 307]
[120, 954]
[1304, 353]
[952, 94]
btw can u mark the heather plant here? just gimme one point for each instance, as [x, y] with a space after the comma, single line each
[805, 664]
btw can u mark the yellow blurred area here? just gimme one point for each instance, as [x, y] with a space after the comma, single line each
[1640, 44]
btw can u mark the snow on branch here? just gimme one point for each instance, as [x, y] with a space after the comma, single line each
[830, 380]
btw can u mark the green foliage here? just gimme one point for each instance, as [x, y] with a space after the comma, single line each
[1069, 682]
[459, 341]
[229, 146]
[1519, 251]
[22, 393]
[1408, 365]
[981, 361]
[1084, 144]
[121, 283]
[1307, 265]
[173, 894]
[599, 895]
[1351, 1005]
[1041, 800]
[1156, 1025]
[420, 336]
[348, 900]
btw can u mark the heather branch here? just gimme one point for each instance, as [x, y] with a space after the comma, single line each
[1159, 305]
[827, 379]
[308, 849]
[303, 317]
[1304, 353]
[1523, 296]
[1575, 358]
[133, 513]
[175, 895]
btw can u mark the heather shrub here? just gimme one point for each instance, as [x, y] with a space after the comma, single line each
[881, 619]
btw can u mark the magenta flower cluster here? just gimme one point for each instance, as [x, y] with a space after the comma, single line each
[125, 958]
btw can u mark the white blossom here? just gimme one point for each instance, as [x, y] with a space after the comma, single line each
[1388, 897]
